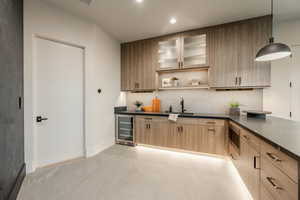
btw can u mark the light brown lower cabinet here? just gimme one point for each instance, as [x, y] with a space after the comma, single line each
[268, 173]
[152, 131]
[186, 134]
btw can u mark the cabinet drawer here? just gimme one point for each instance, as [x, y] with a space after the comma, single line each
[187, 121]
[265, 194]
[277, 183]
[288, 165]
[211, 122]
[251, 139]
[152, 118]
[235, 127]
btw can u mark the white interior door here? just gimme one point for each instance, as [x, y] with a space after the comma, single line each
[295, 90]
[59, 98]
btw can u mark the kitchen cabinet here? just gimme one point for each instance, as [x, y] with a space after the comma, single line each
[232, 54]
[152, 131]
[247, 161]
[186, 134]
[224, 56]
[138, 65]
[213, 140]
[268, 173]
[196, 135]
[187, 50]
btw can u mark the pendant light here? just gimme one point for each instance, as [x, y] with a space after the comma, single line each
[273, 51]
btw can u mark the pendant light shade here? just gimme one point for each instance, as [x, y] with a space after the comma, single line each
[273, 51]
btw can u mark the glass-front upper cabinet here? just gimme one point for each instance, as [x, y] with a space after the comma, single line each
[194, 51]
[184, 51]
[169, 54]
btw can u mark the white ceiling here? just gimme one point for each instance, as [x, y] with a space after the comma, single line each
[127, 20]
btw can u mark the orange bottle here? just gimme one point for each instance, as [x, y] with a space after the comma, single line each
[156, 104]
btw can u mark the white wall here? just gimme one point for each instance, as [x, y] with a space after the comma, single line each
[102, 63]
[278, 98]
[201, 101]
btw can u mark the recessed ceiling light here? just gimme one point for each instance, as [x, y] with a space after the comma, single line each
[173, 20]
[139, 1]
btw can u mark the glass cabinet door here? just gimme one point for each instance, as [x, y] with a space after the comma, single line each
[169, 54]
[194, 51]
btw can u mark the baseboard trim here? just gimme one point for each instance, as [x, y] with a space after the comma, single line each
[17, 186]
[92, 151]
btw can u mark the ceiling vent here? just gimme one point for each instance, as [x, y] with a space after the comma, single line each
[87, 2]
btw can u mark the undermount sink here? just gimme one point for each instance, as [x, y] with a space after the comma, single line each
[186, 113]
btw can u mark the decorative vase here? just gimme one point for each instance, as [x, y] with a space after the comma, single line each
[235, 111]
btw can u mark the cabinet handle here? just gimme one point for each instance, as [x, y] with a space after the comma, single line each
[273, 157]
[181, 129]
[246, 137]
[212, 129]
[236, 80]
[271, 181]
[179, 64]
[210, 122]
[255, 163]
[240, 81]
[231, 155]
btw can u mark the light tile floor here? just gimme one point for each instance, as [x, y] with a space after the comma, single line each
[139, 173]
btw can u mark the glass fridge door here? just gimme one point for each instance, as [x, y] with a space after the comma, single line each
[125, 128]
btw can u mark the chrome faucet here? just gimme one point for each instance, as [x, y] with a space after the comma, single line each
[182, 104]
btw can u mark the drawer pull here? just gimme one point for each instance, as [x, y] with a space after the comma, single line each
[271, 181]
[232, 157]
[273, 157]
[212, 130]
[246, 137]
[211, 122]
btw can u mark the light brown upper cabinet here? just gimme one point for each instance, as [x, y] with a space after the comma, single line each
[138, 65]
[227, 50]
[186, 50]
[232, 54]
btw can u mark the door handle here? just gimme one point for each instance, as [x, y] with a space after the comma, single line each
[40, 119]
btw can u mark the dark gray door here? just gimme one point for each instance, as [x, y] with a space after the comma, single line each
[11, 98]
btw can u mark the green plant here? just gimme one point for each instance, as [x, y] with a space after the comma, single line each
[138, 104]
[235, 104]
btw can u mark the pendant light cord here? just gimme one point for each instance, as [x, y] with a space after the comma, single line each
[272, 15]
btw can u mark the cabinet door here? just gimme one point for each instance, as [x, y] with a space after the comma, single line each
[126, 67]
[249, 168]
[147, 74]
[262, 70]
[159, 128]
[175, 139]
[169, 53]
[245, 55]
[223, 57]
[213, 140]
[138, 65]
[253, 35]
[253, 179]
[191, 137]
[142, 131]
[194, 50]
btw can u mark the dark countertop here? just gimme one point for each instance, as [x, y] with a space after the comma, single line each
[281, 133]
